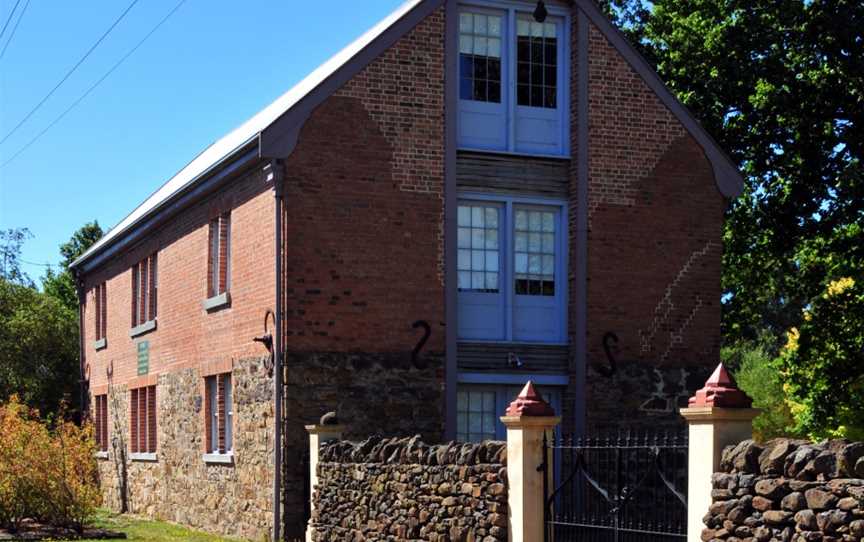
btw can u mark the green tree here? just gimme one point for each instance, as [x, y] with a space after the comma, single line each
[61, 285]
[11, 242]
[822, 363]
[38, 347]
[39, 350]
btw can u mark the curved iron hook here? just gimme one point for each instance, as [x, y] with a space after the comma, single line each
[613, 363]
[427, 332]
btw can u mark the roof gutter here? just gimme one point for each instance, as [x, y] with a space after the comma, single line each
[199, 187]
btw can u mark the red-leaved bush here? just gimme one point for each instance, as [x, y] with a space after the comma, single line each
[47, 473]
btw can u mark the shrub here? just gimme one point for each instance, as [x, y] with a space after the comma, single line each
[822, 364]
[46, 474]
[752, 364]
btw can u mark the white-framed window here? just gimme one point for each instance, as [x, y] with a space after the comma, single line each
[511, 269]
[513, 90]
[220, 414]
[479, 408]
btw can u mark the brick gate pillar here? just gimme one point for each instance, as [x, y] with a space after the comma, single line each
[318, 435]
[719, 415]
[527, 418]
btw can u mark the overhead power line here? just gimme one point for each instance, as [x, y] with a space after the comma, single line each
[11, 13]
[94, 85]
[14, 28]
[70, 72]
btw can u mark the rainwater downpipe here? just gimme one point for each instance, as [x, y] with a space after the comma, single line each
[277, 173]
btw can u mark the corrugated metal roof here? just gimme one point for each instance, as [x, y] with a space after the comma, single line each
[246, 132]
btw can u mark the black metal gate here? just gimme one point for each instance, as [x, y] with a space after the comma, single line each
[622, 488]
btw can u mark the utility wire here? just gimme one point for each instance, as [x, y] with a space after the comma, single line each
[70, 72]
[11, 13]
[14, 28]
[96, 84]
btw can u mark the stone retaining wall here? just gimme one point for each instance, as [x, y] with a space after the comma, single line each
[788, 490]
[403, 489]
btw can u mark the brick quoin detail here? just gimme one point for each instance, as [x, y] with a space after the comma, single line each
[655, 224]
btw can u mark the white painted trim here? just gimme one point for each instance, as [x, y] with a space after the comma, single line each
[101, 344]
[220, 459]
[145, 457]
[513, 379]
[101, 455]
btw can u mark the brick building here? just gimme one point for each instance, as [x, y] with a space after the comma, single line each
[527, 191]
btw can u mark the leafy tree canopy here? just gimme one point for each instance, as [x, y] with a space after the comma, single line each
[780, 84]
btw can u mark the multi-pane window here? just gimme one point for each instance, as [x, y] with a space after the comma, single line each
[479, 253]
[510, 260]
[142, 420]
[512, 80]
[219, 255]
[480, 57]
[100, 421]
[480, 406]
[476, 415]
[144, 287]
[536, 63]
[220, 414]
[534, 247]
[100, 297]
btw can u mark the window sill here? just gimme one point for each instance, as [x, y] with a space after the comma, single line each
[220, 459]
[216, 302]
[564, 157]
[146, 457]
[101, 455]
[101, 344]
[146, 327]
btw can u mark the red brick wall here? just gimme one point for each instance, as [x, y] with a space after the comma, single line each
[654, 242]
[364, 206]
[186, 335]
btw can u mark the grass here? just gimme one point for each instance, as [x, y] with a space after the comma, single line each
[156, 531]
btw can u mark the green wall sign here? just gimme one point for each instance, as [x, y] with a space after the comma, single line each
[143, 357]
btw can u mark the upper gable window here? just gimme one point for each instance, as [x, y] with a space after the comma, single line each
[512, 85]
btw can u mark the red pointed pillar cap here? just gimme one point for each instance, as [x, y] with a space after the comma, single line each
[529, 403]
[721, 391]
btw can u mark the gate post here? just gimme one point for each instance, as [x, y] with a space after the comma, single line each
[719, 415]
[318, 435]
[528, 419]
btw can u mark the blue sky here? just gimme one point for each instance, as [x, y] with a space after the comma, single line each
[212, 65]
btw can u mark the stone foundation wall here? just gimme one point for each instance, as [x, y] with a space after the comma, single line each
[179, 486]
[382, 394]
[788, 491]
[403, 489]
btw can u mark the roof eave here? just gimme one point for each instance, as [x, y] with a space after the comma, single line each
[204, 183]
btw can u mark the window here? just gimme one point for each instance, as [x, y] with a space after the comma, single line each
[142, 420]
[100, 298]
[511, 270]
[512, 81]
[219, 254]
[100, 421]
[479, 407]
[144, 288]
[218, 398]
[476, 415]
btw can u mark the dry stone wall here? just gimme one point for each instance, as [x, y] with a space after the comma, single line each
[404, 489]
[788, 491]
